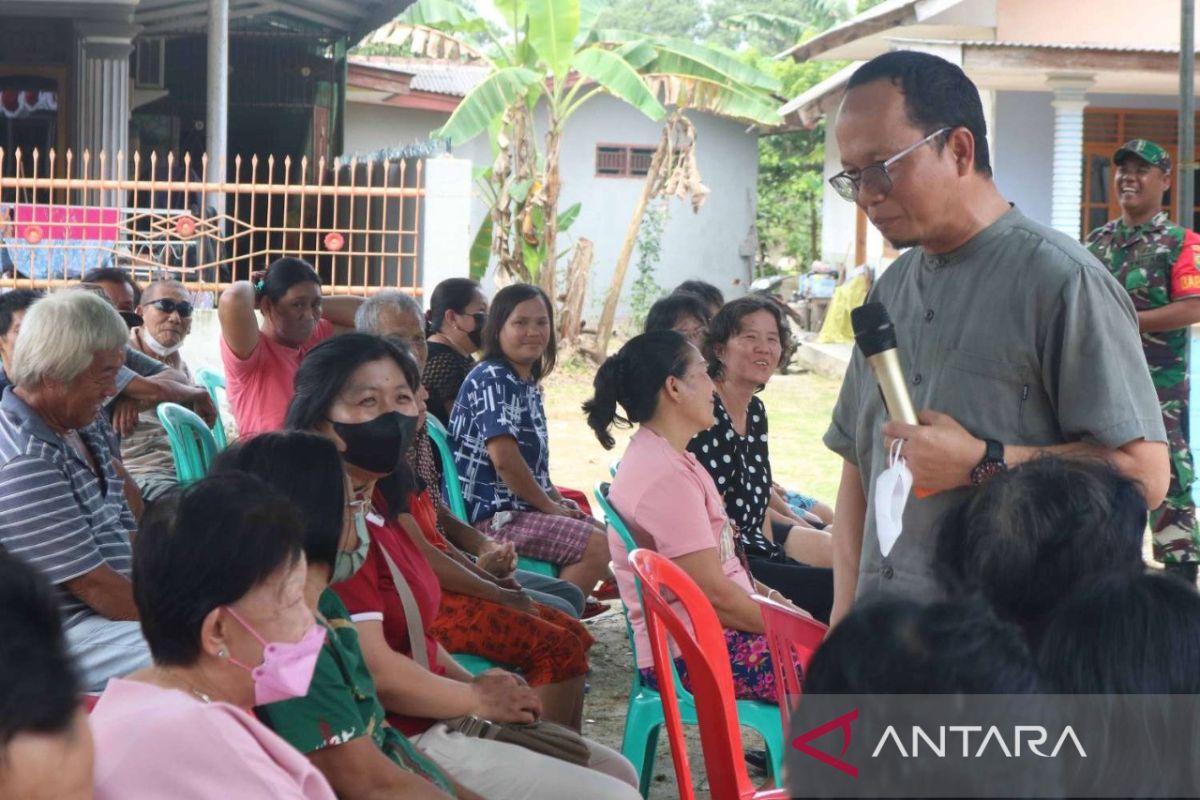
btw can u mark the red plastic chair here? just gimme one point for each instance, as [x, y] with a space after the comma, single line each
[712, 680]
[792, 638]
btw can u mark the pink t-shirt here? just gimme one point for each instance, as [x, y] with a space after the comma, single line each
[155, 743]
[670, 498]
[260, 386]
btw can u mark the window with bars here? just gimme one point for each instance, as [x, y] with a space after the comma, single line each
[1106, 129]
[623, 160]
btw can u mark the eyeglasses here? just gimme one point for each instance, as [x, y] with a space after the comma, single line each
[875, 178]
[169, 306]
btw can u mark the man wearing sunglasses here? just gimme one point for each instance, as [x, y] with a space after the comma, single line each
[1014, 341]
[166, 310]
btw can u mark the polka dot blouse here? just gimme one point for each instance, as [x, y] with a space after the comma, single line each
[741, 468]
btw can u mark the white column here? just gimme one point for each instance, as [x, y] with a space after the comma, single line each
[1066, 195]
[217, 122]
[102, 99]
[446, 234]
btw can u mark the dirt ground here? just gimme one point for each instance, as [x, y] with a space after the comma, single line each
[604, 710]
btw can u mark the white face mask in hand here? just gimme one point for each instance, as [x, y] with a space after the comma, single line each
[891, 495]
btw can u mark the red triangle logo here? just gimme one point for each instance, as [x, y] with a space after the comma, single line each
[841, 723]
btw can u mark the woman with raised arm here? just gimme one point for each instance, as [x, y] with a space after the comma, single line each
[260, 362]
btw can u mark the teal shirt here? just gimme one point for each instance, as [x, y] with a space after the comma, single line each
[341, 704]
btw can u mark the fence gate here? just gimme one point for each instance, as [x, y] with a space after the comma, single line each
[357, 223]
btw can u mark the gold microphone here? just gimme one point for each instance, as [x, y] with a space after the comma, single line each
[876, 338]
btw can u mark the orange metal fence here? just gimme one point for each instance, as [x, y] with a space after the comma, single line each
[357, 223]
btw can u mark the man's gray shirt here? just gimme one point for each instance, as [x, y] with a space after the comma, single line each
[1022, 336]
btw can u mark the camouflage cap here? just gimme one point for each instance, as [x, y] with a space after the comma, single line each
[1146, 150]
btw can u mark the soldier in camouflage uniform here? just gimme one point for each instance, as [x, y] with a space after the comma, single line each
[1156, 261]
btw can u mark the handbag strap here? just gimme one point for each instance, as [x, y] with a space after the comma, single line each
[412, 612]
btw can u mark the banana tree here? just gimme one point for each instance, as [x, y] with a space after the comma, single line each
[547, 59]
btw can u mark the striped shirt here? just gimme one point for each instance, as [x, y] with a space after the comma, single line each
[55, 513]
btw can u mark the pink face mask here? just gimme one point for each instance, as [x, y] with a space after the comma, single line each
[287, 667]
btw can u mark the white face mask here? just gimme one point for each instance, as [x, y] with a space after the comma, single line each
[891, 495]
[160, 350]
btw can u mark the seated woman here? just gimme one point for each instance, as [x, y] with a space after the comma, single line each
[340, 724]
[218, 577]
[457, 313]
[670, 503]
[476, 615]
[502, 447]
[45, 746]
[682, 312]
[745, 342]
[360, 392]
[259, 364]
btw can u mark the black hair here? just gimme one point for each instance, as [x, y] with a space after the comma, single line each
[633, 377]
[1025, 538]
[666, 311]
[711, 295]
[1125, 634]
[114, 275]
[503, 305]
[282, 274]
[325, 369]
[728, 323]
[14, 301]
[898, 646]
[937, 94]
[39, 690]
[307, 469]
[452, 294]
[205, 546]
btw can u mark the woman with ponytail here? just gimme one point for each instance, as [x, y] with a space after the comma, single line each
[669, 501]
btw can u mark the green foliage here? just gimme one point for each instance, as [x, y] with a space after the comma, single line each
[645, 289]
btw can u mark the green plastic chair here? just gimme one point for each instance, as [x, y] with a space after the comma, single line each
[192, 444]
[644, 719]
[472, 663]
[441, 442]
[212, 381]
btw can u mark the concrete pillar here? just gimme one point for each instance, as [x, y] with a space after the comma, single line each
[217, 121]
[102, 100]
[446, 233]
[1066, 194]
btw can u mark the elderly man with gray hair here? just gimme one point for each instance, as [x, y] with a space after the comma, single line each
[399, 317]
[62, 502]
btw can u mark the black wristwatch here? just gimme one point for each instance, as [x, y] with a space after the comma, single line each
[992, 464]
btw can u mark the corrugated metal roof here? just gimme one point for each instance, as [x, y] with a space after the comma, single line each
[991, 43]
[436, 77]
[331, 16]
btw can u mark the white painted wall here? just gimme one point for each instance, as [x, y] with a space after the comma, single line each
[706, 245]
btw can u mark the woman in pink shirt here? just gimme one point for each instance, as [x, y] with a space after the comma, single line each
[218, 578]
[261, 362]
[669, 501]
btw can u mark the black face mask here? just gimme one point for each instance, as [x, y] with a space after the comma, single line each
[476, 336]
[377, 446]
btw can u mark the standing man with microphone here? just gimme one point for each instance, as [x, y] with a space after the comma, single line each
[1014, 341]
[1156, 261]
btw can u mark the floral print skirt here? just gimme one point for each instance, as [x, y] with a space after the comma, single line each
[750, 658]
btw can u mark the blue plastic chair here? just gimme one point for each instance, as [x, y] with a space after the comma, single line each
[441, 443]
[212, 381]
[192, 444]
[644, 719]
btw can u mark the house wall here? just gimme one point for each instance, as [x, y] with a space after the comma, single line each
[1090, 22]
[706, 245]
